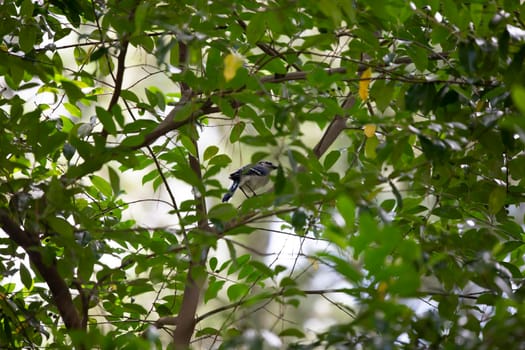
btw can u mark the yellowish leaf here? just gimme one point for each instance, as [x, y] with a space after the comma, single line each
[480, 105]
[232, 63]
[370, 130]
[364, 83]
[382, 289]
[314, 263]
[371, 146]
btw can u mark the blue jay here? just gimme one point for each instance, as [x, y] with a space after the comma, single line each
[250, 177]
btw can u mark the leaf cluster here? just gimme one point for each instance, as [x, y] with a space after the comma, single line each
[397, 127]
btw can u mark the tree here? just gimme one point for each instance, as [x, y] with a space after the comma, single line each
[415, 185]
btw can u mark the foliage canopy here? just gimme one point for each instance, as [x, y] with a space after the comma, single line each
[413, 188]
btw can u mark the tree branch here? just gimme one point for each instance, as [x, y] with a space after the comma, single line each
[170, 123]
[186, 318]
[348, 291]
[196, 277]
[121, 65]
[118, 78]
[59, 290]
[337, 125]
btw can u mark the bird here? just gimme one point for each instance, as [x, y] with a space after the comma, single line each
[250, 177]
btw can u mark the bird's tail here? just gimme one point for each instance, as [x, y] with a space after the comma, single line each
[230, 192]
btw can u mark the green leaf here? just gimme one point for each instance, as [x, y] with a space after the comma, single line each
[105, 65]
[433, 150]
[223, 212]
[382, 93]
[73, 92]
[25, 277]
[207, 331]
[236, 132]
[299, 219]
[397, 195]
[93, 57]
[213, 289]
[487, 299]
[161, 99]
[132, 141]
[187, 175]
[60, 226]
[407, 282]
[141, 14]
[513, 269]
[129, 95]
[213, 263]
[102, 185]
[419, 55]
[518, 97]
[188, 144]
[27, 38]
[139, 126]
[237, 291]
[289, 292]
[85, 266]
[342, 266]
[280, 181]
[134, 308]
[256, 28]
[420, 97]
[143, 41]
[152, 97]
[114, 180]
[497, 199]
[220, 160]
[275, 22]
[371, 144]
[156, 274]
[368, 231]
[292, 332]
[331, 158]
[107, 120]
[511, 229]
[214, 67]
[117, 114]
[508, 247]
[263, 268]
[239, 262]
[184, 112]
[26, 9]
[287, 282]
[331, 9]
[210, 152]
[346, 208]
[17, 74]
[72, 109]
[153, 174]
[447, 212]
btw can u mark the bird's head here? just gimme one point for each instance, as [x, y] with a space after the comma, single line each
[268, 165]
